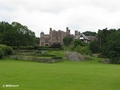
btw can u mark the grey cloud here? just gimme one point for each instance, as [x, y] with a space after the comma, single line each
[83, 15]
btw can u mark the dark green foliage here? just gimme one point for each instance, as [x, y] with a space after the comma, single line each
[56, 45]
[38, 52]
[89, 33]
[67, 40]
[102, 36]
[36, 47]
[94, 46]
[26, 48]
[55, 57]
[5, 50]
[44, 55]
[83, 50]
[43, 48]
[37, 40]
[81, 47]
[112, 50]
[109, 41]
[1, 53]
[16, 34]
[49, 48]
[78, 42]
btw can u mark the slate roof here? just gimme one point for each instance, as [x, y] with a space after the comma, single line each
[81, 35]
[85, 37]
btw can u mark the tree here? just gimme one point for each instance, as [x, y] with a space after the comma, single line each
[56, 45]
[37, 41]
[94, 46]
[89, 33]
[67, 40]
[112, 50]
[4, 26]
[102, 36]
[79, 42]
[16, 34]
[5, 50]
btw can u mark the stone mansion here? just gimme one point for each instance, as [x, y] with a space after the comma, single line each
[57, 37]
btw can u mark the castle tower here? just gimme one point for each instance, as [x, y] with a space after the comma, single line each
[50, 34]
[50, 29]
[67, 31]
[77, 33]
[42, 34]
[42, 39]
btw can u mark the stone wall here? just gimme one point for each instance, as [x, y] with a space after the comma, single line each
[44, 60]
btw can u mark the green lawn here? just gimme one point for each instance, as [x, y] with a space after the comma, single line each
[67, 75]
[57, 53]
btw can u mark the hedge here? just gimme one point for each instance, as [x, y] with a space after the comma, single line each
[46, 55]
[55, 57]
[5, 50]
[1, 53]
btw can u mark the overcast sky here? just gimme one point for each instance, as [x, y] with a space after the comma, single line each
[82, 15]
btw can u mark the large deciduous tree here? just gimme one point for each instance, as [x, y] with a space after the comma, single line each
[16, 34]
[67, 40]
[94, 46]
[89, 33]
[113, 47]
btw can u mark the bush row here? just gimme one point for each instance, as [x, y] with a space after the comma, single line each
[83, 50]
[55, 57]
[45, 55]
[5, 50]
[44, 60]
[36, 48]
[23, 47]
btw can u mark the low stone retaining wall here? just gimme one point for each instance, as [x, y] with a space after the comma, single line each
[45, 60]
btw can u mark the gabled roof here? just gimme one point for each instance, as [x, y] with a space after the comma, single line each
[81, 35]
[92, 38]
[85, 37]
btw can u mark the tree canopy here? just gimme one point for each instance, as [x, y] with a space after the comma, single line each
[89, 33]
[67, 40]
[94, 46]
[112, 50]
[109, 42]
[16, 34]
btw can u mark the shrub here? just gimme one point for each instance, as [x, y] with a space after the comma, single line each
[1, 53]
[83, 50]
[38, 52]
[36, 47]
[14, 47]
[9, 50]
[56, 45]
[55, 57]
[43, 48]
[94, 46]
[5, 50]
[46, 55]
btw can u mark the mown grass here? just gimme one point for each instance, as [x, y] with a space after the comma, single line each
[57, 53]
[67, 75]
